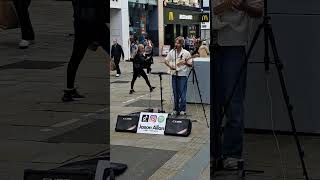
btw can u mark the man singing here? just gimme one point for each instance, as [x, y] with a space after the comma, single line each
[232, 22]
[178, 61]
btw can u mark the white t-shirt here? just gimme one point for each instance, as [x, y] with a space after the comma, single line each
[234, 27]
[173, 57]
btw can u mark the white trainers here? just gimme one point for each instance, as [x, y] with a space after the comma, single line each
[182, 113]
[231, 163]
[23, 44]
[117, 75]
[174, 113]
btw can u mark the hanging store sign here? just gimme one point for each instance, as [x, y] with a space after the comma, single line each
[186, 17]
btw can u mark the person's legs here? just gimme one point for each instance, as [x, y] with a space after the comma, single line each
[116, 62]
[134, 78]
[22, 7]
[145, 77]
[182, 83]
[79, 49]
[175, 93]
[230, 64]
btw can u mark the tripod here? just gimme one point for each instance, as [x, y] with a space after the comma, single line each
[218, 114]
[195, 79]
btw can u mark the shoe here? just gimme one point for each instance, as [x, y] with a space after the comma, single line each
[75, 94]
[24, 44]
[67, 96]
[70, 95]
[174, 113]
[117, 75]
[182, 113]
[131, 91]
[152, 88]
[231, 163]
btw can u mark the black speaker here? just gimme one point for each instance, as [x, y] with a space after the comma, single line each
[178, 127]
[127, 123]
[54, 174]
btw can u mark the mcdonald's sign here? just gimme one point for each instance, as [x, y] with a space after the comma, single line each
[205, 17]
[171, 16]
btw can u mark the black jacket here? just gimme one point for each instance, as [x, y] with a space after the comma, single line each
[139, 61]
[117, 51]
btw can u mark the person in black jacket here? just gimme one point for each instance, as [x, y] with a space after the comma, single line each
[89, 26]
[25, 23]
[116, 53]
[138, 63]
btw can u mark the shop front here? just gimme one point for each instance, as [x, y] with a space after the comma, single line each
[143, 20]
[180, 22]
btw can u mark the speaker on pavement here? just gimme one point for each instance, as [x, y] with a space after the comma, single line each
[127, 123]
[178, 127]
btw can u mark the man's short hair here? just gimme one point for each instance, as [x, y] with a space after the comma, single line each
[180, 40]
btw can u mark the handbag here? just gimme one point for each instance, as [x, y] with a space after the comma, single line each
[8, 15]
[112, 65]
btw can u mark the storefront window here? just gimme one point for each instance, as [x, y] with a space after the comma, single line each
[143, 20]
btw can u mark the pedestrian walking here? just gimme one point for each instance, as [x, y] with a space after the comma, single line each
[90, 20]
[116, 54]
[138, 63]
[27, 32]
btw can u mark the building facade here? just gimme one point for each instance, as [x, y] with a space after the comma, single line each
[119, 28]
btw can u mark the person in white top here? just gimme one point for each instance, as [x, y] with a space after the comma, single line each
[231, 21]
[179, 62]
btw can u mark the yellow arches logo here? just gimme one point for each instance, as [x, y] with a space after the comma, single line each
[171, 16]
[205, 18]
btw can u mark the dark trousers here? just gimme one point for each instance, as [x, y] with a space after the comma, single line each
[136, 73]
[117, 62]
[85, 34]
[229, 61]
[22, 7]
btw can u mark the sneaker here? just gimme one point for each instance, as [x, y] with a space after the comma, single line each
[75, 94]
[131, 91]
[117, 75]
[67, 96]
[174, 113]
[23, 44]
[182, 113]
[231, 163]
[152, 88]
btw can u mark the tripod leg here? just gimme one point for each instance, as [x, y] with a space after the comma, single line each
[200, 95]
[279, 67]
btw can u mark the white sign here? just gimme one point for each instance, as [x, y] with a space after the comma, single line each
[186, 17]
[205, 25]
[165, 50]
[152, 123]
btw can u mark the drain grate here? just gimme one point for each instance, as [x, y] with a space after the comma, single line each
[120, 82]
[145, 103]
[29, 64]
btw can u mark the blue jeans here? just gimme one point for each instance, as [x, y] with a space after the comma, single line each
[229, 62]
[179, 86]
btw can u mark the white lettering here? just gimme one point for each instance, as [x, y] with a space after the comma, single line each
[186, 17]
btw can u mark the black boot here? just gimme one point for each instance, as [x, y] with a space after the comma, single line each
[152, 88]
[69, 95]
